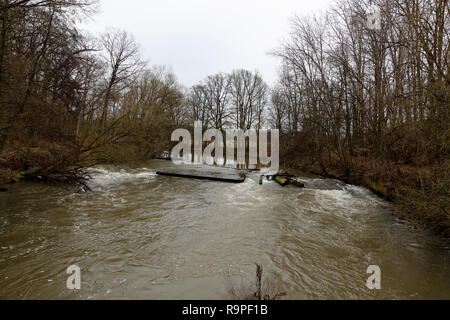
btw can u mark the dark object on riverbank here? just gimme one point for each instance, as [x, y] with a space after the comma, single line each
[282, 181]
[164, 156]
[197, 173]
[3, 190]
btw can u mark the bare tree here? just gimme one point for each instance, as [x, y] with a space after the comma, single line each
[124, 65]
[199, 103]
[278, 109]
[249, 97]
[217, 92]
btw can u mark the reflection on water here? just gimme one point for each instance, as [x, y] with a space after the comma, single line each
[142, 236]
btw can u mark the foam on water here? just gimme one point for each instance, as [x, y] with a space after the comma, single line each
[101, 178]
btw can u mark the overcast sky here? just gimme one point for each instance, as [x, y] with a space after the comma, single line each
[197, 38]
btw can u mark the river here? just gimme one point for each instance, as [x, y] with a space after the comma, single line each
[142, 236]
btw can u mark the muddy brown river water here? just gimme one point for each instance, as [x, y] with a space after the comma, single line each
[142, 236]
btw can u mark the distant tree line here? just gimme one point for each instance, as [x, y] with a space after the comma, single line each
[237, 100]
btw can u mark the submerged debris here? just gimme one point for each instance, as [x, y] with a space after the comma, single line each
[282, 181]
[283, 178]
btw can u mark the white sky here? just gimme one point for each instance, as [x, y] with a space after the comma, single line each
[197, 38]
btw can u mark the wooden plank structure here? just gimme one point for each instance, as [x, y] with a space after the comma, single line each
[231, 175]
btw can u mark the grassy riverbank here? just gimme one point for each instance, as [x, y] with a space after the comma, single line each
[421, 193]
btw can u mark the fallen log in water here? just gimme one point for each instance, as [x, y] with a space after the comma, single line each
[67, 175]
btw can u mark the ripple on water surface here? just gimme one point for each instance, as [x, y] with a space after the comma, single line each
[139, 235]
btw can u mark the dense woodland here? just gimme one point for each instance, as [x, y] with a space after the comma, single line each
[367, 106]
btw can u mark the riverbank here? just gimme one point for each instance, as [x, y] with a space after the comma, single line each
[420, 193]
[40, 162]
